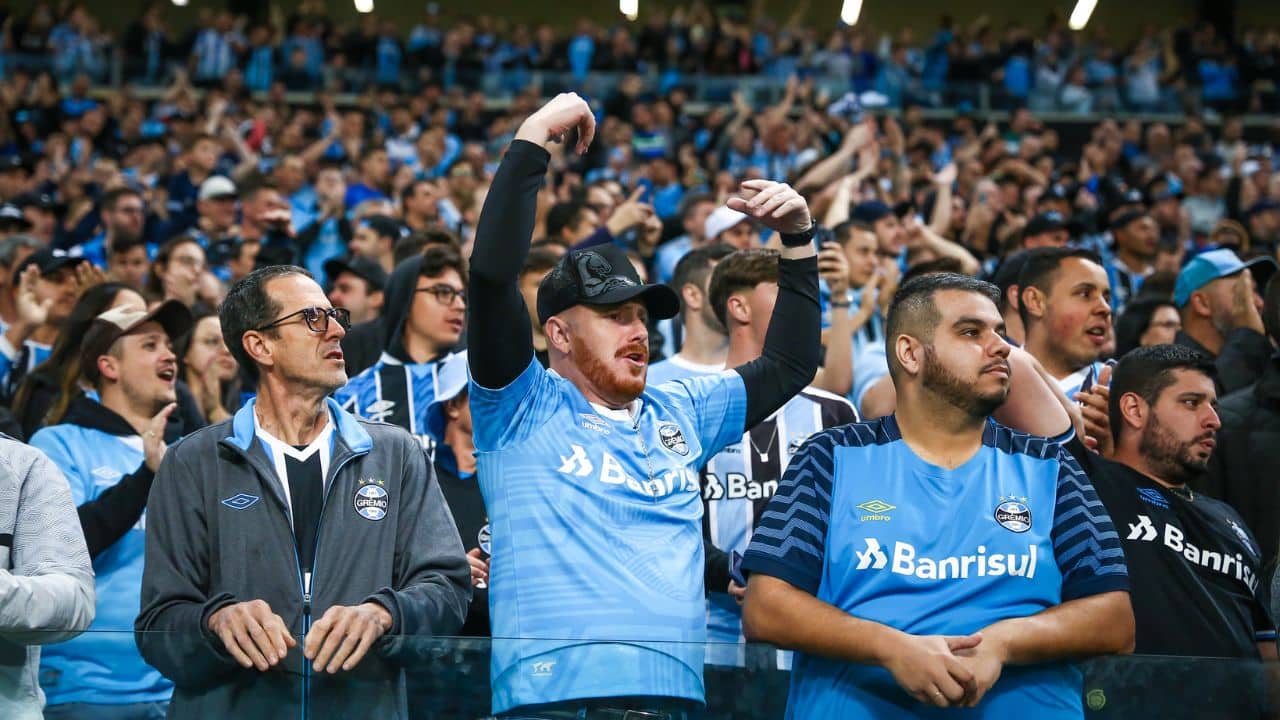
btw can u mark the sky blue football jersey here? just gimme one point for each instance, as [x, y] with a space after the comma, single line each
[865, 525]
[596, 575]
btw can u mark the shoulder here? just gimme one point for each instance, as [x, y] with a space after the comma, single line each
[1237, 406]
[1015, 442]
[386, 437]
[17, 458]
[859, 434]
[202, 440]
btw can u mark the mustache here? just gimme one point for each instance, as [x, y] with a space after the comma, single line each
[998, 365]
[643, 350]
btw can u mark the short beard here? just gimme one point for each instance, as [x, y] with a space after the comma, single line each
[961, 395]
[1168, 457]
[610, 384]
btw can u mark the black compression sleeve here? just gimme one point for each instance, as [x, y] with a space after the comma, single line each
[498, 331]
[792, 345]
[106, 518]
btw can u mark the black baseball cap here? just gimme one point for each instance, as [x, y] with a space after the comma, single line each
[11, 216]
[1045, 222]
[386, 226]
[48, 260]
[43, 201]
[870, 212]
[362, 267]
[600, 275]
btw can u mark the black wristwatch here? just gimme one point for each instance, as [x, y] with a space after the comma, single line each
[845, 304]
[801, 238]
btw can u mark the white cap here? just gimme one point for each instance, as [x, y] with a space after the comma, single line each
[216, 187]
[452, 377]
[720, 220]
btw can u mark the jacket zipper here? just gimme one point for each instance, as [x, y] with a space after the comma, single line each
[307, 584]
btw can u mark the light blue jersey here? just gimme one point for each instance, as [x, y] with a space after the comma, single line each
[597, 557]
[677, 368]
[394, 392]
[865, 525]
[103, 665]
[1071, 384]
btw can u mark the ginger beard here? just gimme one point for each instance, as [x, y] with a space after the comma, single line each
[616, 378]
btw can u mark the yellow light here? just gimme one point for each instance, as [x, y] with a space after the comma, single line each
[629, 8]
[364, 6]
[850, 11]
[1080, 16]
[180, 3]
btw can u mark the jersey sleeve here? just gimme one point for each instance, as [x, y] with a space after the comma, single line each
[790, 540]
[717, 405]
[1085, 542]
[505, 416]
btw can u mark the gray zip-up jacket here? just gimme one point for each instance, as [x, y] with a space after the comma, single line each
[46, 579]
[218, 532]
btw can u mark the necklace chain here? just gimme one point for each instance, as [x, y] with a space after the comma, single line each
[773, 437]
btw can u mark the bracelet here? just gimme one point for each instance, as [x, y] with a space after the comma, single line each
[844, 304]
[804, 237]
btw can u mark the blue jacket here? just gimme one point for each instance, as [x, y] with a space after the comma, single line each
[97, 450]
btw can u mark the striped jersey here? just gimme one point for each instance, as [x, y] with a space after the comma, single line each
[394, 392]
[867, 526]
[736, 487]
[596, 516]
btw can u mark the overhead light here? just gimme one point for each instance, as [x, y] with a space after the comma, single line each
[180, 3]
[1080, 16]
[629, 8]
[364, 6]
[850, 11]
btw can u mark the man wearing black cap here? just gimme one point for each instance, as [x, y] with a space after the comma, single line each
[41, 211]
[12, 221]
[357, 285]
[590, 478]
[1045, 230]
[376, 237]
[877, 217]
[110, 449]
[1263, 220]
[1137, 238]
[47, 285]
[14, 175]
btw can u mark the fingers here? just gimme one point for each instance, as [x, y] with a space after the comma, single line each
[316, 635]
[963, 642]
[479, 567]
[242, 635]
[636, 194]
[366, 641]
[351, 639]
[952, 691]
[1104, 378]
[227, 636]
[586, 131]
[162, 417]
[333, 626]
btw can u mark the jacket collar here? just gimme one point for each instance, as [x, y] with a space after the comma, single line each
[87, 412]
[348, 429]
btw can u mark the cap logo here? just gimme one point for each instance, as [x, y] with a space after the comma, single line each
[597, 275]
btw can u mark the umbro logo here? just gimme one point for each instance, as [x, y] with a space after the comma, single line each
[241, 501]
[379, 410]
[543, 668]
[875, 510]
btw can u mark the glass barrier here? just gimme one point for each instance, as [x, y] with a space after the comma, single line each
[448, 678]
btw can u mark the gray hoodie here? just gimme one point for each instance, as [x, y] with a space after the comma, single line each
[218, 532]
[46, 579]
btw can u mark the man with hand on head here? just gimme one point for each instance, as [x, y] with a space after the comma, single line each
[587, 471]
[110, 448]
[294, 518]
[935, 558]
[1222, 315]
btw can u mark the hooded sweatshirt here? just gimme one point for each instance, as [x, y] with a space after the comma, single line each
[395, 389]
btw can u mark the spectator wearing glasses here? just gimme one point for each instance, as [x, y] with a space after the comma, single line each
[228, 630]
[426, 305]
[124, 216]
[176, 272]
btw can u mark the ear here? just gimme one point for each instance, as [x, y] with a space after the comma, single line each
[1200, 304]
[109, 367]
[737, 309]
[1034, 300]
[1134, 410]
[376, 298]
[692, 296]
[910, 354]
[1011, 295]
[453, 408]
[255, 344]
[558, 333]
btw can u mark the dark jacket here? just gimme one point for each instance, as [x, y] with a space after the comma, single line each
[365, 343]
[219, 533]
[1242, 360]
[1242, 471]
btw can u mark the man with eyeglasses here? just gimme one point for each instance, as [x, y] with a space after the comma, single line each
[425, 305]
[124, 215]
[294, 518]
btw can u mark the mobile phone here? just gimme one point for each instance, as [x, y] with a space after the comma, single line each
[735, 568]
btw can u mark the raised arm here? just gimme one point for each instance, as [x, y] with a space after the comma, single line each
[793, 342]
[498, 328]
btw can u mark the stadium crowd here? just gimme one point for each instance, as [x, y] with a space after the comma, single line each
[217, 300]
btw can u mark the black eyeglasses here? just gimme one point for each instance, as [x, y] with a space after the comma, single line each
[445, 293]
[317, 319]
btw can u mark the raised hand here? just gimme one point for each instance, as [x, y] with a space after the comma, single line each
[552, 121]
[153, 447]
[775, 205]
[88, 275]
[833, 267]
[32, 311]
